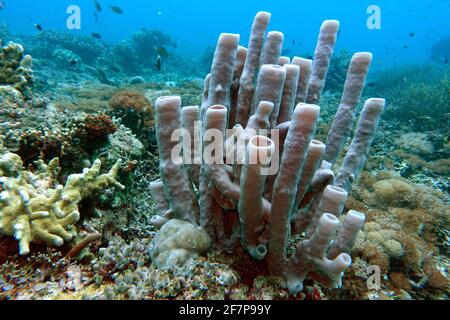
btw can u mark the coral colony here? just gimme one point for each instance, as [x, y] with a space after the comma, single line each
[255, 183]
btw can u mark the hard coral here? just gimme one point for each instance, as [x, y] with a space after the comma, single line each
[88, 48]
[133, 108]
[15, 67]
[130, 99]
[35, 208]
[99, 125]
[416, 143]
[177, 243]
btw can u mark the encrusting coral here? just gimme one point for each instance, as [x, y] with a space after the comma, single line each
[133, 108]
[34, 208]
[177, 243]
[249, 91]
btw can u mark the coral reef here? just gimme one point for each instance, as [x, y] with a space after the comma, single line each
[404, 237]
[15, 67]
[66, 58]
[415, 142]
[87, 48]
[127, 266]
[220, 230]
[133, 108]
[141, 50]
[34, 208]
[408, 89]
[338, 71]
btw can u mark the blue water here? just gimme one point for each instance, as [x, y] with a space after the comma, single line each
[196, 24]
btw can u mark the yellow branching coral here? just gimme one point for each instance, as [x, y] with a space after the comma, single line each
[35, 208]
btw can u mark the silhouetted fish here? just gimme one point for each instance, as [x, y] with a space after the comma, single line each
[96, 35]
[103, 78]
[38, 26]
[2, 5]
[161, 51]
[412, 34]
[96, 16]
[116, 9]
[158, 63]
[98, 6]
[440, 52]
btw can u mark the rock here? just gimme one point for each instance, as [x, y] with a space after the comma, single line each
[178, 243]
[136, 80]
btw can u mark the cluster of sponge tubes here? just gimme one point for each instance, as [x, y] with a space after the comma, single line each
[255, 88]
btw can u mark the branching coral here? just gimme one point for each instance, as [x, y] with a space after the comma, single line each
[34, 208]
[15, 67]
[409, 89]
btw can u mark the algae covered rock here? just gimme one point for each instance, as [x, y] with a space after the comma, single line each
[177, 243]
[66, 58]
[10, 96]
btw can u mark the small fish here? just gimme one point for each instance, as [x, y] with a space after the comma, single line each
[96, 16]
[293, 41]
[158, 63]
[159, 13]
[96, 35]
[2, 5]
[405, 47]
[116, 9]
[371, 84]
[103, 78]
[161, 51]
[73, 62]
[412, 34]
[98, 6]
[440, 52]
[38, 26]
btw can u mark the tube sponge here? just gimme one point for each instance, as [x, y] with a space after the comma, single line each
[235, 199]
